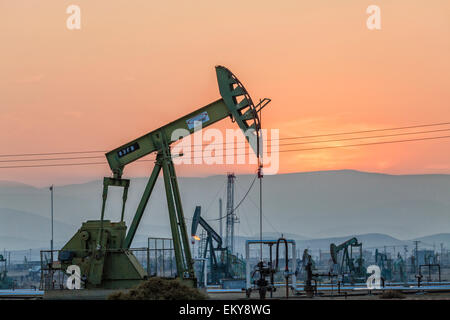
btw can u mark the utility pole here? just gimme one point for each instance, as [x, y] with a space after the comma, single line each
[5, 259]
[231, 216]
[416, 242]
[260, 177]
[405, 250]
[220, 217]
[51, 241]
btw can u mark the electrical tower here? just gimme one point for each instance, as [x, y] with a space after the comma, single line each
[231, 216]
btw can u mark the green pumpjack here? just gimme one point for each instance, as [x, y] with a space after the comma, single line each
[353, 268]
[101, 248]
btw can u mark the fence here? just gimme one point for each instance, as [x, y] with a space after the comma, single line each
[161, 258]
[158, 259]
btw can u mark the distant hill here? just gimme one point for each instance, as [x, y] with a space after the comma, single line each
[371, 240]
[19, 229]
[13, 184]
[311, 205]
[24, 230]
[435, 240]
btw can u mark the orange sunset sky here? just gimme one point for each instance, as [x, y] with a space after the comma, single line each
[137, 64]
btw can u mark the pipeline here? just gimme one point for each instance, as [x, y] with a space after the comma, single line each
[286, 268]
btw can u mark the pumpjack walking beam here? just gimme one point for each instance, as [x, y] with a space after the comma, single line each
[235, 103]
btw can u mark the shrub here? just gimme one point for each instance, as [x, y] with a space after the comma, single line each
[160, 289]
[392, 294]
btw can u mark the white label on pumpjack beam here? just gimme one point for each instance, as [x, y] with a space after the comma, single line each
[198, 119]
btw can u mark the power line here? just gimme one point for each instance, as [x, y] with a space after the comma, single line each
[48, 153]
[353, 132]
[240, 202]
[349, 145]
[370, 137]
[52, 159]
[373, 130]
[264, 216]
[343, 139]
[237, 154]
[64, 164]
[240, 148]
[240, 154]
[368, 144]
[283, 138]
[343, 133]
[53, 165]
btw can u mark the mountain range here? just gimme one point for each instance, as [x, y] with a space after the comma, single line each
[314, 208]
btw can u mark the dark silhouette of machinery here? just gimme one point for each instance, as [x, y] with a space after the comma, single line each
[265, 281]
[385, 265]
[5, 281]
[262, 275]
[222, 264]
[400, 273]
[309, 266]
[350, 269]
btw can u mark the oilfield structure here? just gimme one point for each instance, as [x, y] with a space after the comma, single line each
[224, 274]
[99, 259]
